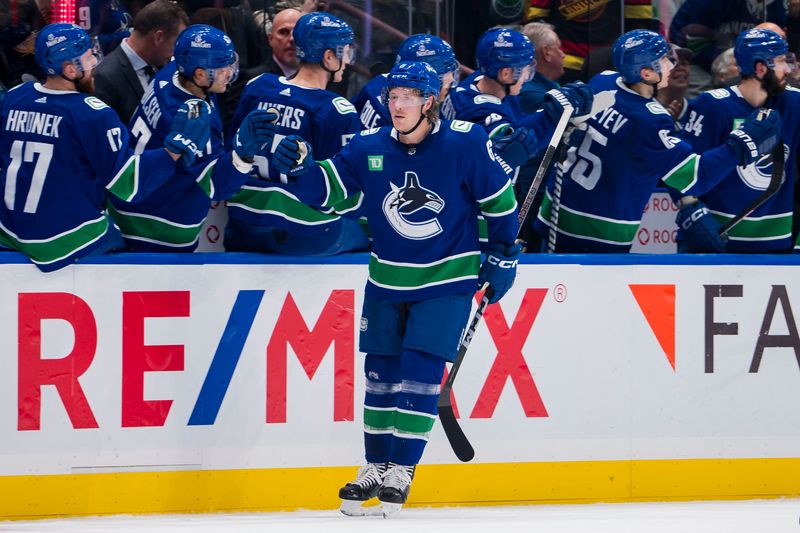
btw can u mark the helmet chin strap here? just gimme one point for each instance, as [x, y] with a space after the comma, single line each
[331, 73]
[421, 118]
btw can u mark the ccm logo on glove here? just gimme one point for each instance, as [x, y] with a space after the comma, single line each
[502, 263]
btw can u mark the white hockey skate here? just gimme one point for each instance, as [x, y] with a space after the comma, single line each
[394, 490]
[363, 488]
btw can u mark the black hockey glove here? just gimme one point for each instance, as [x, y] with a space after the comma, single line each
[756, 136]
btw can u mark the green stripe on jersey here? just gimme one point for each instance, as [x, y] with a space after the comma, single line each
[419, 424]
[684, 175]
[279, 202]
[409, 276]
[336, 189]
[591, 227]
[379, 419]
[204, 179]
[766, 228]
[125, 184]
[155, 229]
[483, 229]
[45, 251]
[501, 203]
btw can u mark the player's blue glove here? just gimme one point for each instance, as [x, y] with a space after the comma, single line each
[292, 157]
[577, 94]
[699, 230]
[255, 133]
[756, 136]
[499, 269]
[190, 130]
[514, 147]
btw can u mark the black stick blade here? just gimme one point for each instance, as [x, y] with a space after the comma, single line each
[455, 435]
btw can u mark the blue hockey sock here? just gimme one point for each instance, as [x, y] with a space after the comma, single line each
[380, 405]
[416, 406]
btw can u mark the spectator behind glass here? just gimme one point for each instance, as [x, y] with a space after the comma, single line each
[586, 26]
[724, 71]
[707, 27]
[121, 79]
[20, 21]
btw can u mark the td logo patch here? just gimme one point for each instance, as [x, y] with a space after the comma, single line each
[375, 163]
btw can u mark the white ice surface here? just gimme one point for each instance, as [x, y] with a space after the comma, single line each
[757, 516]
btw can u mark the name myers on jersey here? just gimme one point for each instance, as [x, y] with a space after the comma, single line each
[33, 122]
[290, 117]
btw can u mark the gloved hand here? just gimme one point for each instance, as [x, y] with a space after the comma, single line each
[756, 136]
[256, 130]
[514, 147]
[499, 269]
[699, 230]
[190, 130]
[577, 94]
[292, 157]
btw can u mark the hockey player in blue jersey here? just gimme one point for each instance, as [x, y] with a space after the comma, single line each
[263, 216]
[764, 62]
[63, 153]
[421, 47]
[505, 62]
[171, 218]
[424, 181]
[613, 169]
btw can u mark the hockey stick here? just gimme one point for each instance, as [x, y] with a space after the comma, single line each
[455, 435]
[775, 182]
[555, 205]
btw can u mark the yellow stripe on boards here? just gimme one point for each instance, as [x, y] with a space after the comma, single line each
[285, 489]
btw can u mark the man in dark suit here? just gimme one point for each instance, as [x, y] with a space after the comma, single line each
[121, 79]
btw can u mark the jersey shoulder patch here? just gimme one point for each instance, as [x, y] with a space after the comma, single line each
[461, 126]
[656, 108]
[95, 103]
[371, 131]
[343, 106]
[718, 94]
[486, 99]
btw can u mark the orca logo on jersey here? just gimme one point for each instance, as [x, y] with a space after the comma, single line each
[404, 205]
[758, 174]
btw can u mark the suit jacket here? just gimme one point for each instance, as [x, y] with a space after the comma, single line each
[116, 83]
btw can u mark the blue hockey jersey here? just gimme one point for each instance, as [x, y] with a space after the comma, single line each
[709, 119]
[371, 111]
[608, 178]
[61, 152]
[171, 218]
[421, 205]
[326, 120]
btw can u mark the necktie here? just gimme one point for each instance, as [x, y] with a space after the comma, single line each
[149, 71]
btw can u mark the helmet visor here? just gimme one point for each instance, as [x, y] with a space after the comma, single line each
[229, 72]
[90, 58]
[401, 98]
[348, 53]
[786, 62]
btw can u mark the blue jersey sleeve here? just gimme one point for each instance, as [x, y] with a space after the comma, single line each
[126, 175]
[490, 185]
[338, 125]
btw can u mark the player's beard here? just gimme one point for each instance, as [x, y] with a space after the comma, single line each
[772, 85]
[85, 84]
